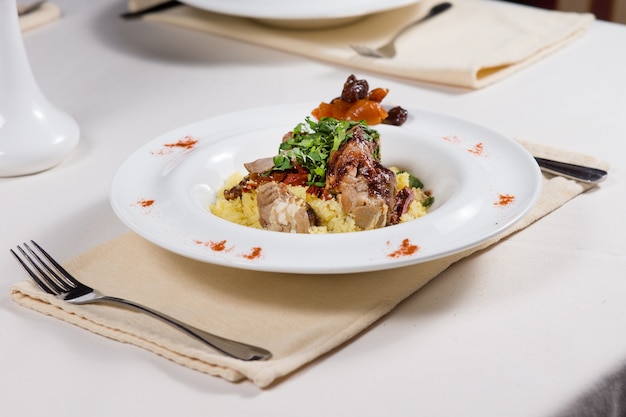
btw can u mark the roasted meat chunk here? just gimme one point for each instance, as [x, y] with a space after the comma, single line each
[260, 166]
[366, 189]
[282, 211]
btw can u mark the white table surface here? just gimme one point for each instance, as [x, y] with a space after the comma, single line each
[477, 341]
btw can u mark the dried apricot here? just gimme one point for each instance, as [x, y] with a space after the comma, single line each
[369, 111]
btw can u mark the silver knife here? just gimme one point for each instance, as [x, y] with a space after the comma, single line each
[23, 9]
[576, 172]
[156, 8]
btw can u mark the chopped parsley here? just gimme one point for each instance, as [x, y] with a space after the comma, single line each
[311, 144]
[414, 182]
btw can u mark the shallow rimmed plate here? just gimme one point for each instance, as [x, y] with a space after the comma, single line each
[483, 183]
[300, 14]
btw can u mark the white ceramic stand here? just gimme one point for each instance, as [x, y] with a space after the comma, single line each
[34, 134]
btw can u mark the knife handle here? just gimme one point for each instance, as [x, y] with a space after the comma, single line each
[577, 172]
[157, 8]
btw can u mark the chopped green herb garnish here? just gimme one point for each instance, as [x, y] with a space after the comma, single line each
[311, 144]
[414, 182]
[428, 202]
[282, 163]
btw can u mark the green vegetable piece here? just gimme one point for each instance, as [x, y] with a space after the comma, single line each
[428, 202]
[414, 182]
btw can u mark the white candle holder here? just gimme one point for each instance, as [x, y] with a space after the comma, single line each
[34, 134]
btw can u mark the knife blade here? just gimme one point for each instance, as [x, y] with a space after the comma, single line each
[156, 8]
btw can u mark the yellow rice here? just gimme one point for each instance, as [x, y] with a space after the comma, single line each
[331, 218]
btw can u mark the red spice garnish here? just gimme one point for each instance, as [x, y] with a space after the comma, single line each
[477, 149]
[187, 143]
[255, 253]
[504, 200]
[452, 139]
[215, 246]
[145, 203]
[405, 249]
[218, 246]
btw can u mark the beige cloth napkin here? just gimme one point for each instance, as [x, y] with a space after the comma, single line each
[474, 44]
[297, 317]
[46, 13]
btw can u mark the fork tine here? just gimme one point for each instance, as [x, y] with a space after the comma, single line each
[365, 51]
[359, 49]
[48, 286]
[47, 273]
[66, 275]
[356, 48]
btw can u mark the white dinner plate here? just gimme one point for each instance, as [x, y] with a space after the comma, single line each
[483, 183]
[299, 13]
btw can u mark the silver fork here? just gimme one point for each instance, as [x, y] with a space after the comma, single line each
[389, 49]
[52, 278]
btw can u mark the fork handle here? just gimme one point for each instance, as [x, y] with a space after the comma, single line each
[434, 11]
[229, 347]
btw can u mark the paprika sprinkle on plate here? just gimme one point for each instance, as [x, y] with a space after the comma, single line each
[145, 202]
[504, 200]
[215, 246]
[255, 253]
[477, 149]
[186, 143]
[405, 249]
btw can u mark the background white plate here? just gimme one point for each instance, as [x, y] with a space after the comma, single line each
[162, 192]
[300, 13]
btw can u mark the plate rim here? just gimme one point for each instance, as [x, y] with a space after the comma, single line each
[229, 261]
[298, 13]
